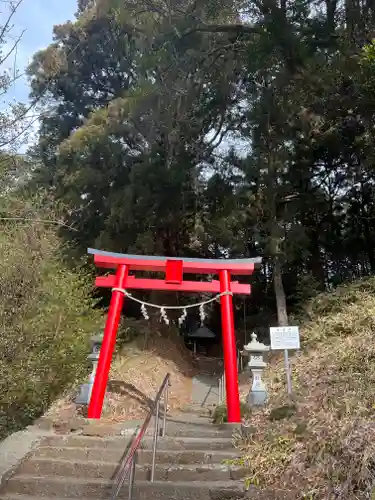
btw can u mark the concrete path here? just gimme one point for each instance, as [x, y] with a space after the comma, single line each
[16, 446]
[205, 392]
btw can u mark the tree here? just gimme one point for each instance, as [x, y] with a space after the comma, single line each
[141, 126]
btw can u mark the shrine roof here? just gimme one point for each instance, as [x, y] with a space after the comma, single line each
[111, 260]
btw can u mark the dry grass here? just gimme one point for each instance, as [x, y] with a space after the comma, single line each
[326, 448]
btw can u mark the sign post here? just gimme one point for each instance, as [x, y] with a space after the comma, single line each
[285, 338]
[287, 371]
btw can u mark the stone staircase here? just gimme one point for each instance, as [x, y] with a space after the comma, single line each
[190, 465]
[205, 393]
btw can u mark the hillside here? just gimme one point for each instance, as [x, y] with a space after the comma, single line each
[321, 444]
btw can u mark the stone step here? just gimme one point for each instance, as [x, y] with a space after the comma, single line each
[106, 470]
[59, 488]
[166, 443]
[197, 410]
[200, 427]
[144, 456]
[183, 425]
[190, 443]
[252, 494]
[198, 432]
[80, 441]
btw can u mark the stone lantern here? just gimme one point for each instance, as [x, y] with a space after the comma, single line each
[84, 396]
[258, 392]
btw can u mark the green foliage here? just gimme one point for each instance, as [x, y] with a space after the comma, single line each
[136, 149]
[368, 53]
[282, 412]
[220, 414]
[140, 97]
[300, 429]
[46, 318]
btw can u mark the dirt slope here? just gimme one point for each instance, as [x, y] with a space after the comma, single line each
[138, 370]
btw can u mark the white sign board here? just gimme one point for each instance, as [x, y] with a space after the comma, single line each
[284, 338]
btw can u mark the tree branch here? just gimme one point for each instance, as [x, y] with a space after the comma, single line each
[6, 25]
[11, 50]
[223, 28]
[41, 221]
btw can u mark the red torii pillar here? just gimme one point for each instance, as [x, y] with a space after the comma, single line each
[174, 269]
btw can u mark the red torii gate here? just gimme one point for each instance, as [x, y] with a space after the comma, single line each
[174, 269]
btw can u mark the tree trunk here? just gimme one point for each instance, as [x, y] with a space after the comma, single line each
[315, 263]
[331, 7]
[369, 243]
[282, 315]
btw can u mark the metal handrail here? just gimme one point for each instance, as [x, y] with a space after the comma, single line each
[222, 389]
[128, 462]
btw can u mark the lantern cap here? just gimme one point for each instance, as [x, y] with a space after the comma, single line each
[255, 346]
[97, 339]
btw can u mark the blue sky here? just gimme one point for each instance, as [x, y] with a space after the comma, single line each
[37, 18]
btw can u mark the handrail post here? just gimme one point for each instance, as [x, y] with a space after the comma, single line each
[165, 409]
[132, 476]
[156, 432]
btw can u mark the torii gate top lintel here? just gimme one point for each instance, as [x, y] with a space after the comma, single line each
[158, 263]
